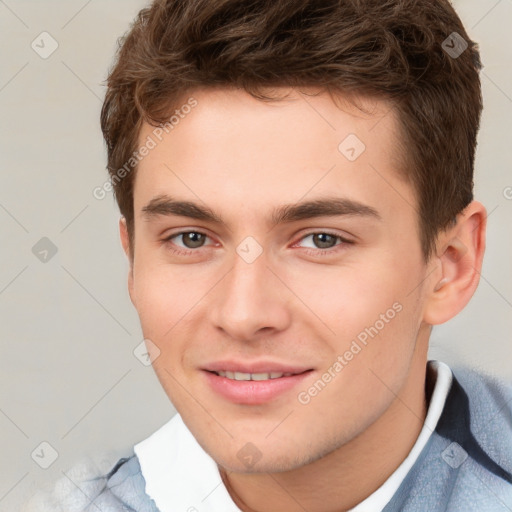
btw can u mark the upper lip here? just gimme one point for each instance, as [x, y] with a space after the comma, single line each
[254, 367]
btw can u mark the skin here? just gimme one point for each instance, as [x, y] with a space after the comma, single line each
[242, 158]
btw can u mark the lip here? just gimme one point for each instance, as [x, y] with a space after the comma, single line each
[254, 367]
[253, 392]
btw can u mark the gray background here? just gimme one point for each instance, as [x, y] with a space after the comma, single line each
[68, 330]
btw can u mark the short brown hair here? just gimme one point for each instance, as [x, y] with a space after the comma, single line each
[393, 49]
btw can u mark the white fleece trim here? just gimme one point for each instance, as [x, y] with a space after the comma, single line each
[72, 493]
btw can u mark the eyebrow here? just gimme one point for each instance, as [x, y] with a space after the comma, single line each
[164, 205]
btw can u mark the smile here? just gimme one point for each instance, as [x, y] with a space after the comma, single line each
[252, 376]
[255, 388]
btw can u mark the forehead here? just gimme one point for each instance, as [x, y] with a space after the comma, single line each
[231, 148]
[295, 114]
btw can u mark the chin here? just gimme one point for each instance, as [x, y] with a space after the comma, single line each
[275, 464]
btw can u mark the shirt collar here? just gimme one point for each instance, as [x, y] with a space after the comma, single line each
[179, 474]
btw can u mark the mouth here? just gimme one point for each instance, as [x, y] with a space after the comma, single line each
[254, 388]
[252, 376]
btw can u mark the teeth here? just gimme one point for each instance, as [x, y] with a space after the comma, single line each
[252, 376]
[265, 376]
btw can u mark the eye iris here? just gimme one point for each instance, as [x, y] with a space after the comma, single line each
[320, 239]
[193, 240]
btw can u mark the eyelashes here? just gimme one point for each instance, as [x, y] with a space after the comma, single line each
[313, 251]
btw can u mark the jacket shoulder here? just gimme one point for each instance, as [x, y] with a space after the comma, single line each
[490, 406]
[87, 488]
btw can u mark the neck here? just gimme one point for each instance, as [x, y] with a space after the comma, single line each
[358, 468]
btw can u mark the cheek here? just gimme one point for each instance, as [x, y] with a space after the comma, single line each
[374, 319]
[347, 299]
[165, 293]
[171, 302]
[165, 305]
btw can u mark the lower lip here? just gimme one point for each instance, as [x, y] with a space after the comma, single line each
[253, 392]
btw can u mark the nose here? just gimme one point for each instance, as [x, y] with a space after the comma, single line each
[250, 301]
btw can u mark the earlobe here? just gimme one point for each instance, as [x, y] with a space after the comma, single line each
[460, 257]
[125, 242]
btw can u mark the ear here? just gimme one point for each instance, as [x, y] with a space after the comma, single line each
[459, 255]
[125, 241]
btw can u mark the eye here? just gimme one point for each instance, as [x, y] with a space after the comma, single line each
[322, 240]
[323, 243]
[190, 240]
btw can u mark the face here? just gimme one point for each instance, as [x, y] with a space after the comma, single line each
[269, 243]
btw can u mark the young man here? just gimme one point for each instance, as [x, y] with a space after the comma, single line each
[295, 183]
